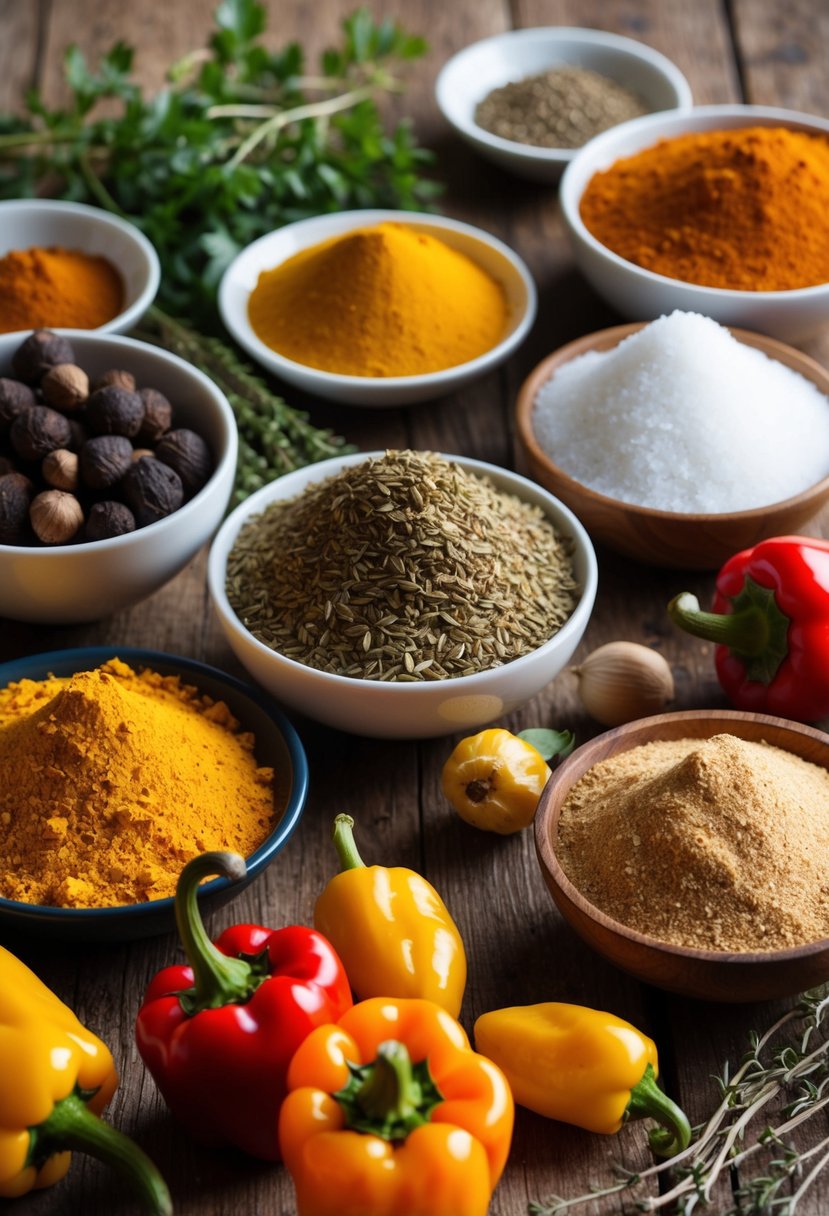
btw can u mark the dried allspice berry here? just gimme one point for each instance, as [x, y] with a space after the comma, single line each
[114, 411]
[65, 386]
[104, 460]
[187, 453]
[55, 516]
[107, 519]
[60, 469]
[116, 377]
[15, 496]
[38, 431]
[15, 397]
[152, 490]
[158, 416]
[41, 350]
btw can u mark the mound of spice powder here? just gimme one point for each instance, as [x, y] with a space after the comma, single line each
[402, 567]
[111, 780]
[717, 844]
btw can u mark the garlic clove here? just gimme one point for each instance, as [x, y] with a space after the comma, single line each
[622, 681]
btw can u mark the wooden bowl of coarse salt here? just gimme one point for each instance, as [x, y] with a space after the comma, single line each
[689, 447]
[690, 850]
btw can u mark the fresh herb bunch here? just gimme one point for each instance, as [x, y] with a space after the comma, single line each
[237, 144]
[781, 1083]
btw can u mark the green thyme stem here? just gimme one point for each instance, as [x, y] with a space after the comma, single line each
[283, 118]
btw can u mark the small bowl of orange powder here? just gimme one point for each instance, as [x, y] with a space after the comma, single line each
[719, 210]
[69, 266]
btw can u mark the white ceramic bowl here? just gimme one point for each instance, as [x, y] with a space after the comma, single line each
[403, 711]
[26, 223]
[65, 584]
[643, 295]
[474, 72]
[493, 255]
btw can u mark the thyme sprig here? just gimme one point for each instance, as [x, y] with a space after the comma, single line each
[778, 1066]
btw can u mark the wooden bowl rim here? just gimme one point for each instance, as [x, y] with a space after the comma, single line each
[545, 828]
[607, 339]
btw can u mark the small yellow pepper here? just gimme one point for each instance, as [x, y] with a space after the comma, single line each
[494, 780]
[55, 1078]
[582, 1066]
[391, 929]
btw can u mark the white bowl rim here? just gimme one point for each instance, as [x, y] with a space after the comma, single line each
[230, 452]
[106, 219]
[707, 117]
[357, 218]
[223, 542]
[554, 34]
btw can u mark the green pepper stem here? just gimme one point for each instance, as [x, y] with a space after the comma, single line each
[72, 1125]
[745, 632]
[218, 979]
[648, 1101]
[343, 835]
[391, 1096]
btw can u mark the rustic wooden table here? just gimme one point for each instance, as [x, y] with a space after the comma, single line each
[519, 949]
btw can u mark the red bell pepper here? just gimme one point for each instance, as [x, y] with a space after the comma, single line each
[218, 1035]
[770, 621]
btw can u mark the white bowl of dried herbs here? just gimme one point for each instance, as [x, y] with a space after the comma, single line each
[403, 594]
[528, 99]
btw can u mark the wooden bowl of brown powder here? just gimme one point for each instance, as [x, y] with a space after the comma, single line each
[692, 850]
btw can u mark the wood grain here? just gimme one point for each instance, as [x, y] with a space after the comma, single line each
[520, 949]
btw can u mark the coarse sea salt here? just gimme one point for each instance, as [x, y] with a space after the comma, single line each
[682, 417]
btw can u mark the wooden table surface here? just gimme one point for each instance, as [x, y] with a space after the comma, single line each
[519, 949]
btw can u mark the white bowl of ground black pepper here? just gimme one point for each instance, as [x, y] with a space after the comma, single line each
[527, 100]
[399, 585]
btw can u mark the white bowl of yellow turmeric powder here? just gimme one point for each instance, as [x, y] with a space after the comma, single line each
[97, 818]
[378, 308]
[719, 210]
[70, 266]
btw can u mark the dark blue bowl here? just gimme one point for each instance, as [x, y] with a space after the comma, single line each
[277, 745]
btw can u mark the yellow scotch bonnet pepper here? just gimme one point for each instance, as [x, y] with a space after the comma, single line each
[391, 1113]
[55, 1079]
[391, 929]
[582, 1066]
[494, 780]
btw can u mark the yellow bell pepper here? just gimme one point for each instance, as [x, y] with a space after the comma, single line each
[582, 1066]
[494, 780]
[391, 929]
[390, 1113]
[55, 1079]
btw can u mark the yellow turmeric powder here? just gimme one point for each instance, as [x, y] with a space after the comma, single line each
[743, 209]
[54, 288]
[390, 300]
[111, 780]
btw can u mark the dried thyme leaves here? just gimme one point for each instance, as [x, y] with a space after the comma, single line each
[403, 567]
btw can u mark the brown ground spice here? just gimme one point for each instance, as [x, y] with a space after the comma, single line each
[719, 844]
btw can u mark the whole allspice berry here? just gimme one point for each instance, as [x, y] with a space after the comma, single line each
[116, 378]
[114, 411]
[107, 519]
[15, 397]
[65, 386]
[152, 489]
[41, 350]
[60, 469]
[55, 516]
[158, 416]
[15, 496]
[38, 431]
[189, 455]
[104, 460]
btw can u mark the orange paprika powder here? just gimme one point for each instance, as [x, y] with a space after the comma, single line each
[57, 288]
[743, 209]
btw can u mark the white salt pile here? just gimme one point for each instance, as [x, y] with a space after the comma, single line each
[683, 417]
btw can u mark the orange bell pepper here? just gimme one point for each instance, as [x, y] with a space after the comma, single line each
[391, 1112]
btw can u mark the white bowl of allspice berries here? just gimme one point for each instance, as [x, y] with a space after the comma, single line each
[117, 462]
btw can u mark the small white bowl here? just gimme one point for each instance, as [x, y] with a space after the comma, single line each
[641, 294]
[487, 251]
[474, 72]
[403, 711]
[64, 584]
[28, 223]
